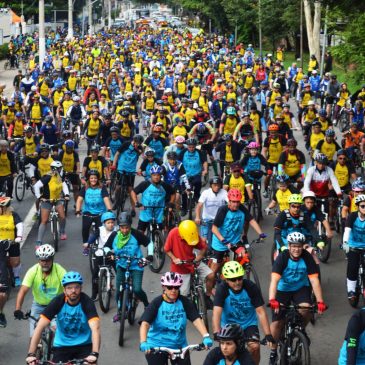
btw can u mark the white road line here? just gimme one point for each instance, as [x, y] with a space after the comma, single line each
[28, 224]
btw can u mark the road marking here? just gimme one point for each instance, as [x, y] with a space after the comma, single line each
[28, 224]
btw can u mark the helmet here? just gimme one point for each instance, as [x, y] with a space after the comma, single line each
[114, 129]
[107, 216]
[171, 279]
[232, 331]
[48, 119]
[28, 129]
[232, 269]
[341, 153]
[201, 129]
[309, 194]
[358, 185]
[360, 198]
[180, 139]
[234, 195]
[295, 199]
[93, 172]
[156, 169]
[70, 144]
[124, 113]
[296, 237]
[253, 145]
[56, 165]
[172, 155]
[191, 142]
[18, 114]
[292, 142]
[4, 200]
[95, 148]
[125, 219]
[45, 252]
[330, 133]
[72, 277]
[188, 231]
[281, 179]
[245, 114]
[273, 127]
[215, 180]
[138, 138]
[321, 157]
[44, 147]
[149, 152]
[227, 137]
[322, 113]
[66, 133]
[108, 115]
[231, 110]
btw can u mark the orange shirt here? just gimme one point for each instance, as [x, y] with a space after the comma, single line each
[353, 139]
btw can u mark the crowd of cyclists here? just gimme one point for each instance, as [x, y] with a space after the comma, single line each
[181, 112]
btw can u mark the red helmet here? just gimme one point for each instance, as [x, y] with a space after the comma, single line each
[273, 127]
[234, 195]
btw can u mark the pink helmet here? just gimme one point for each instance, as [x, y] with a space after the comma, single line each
[252, 145]
[171, 279]
[179, 139]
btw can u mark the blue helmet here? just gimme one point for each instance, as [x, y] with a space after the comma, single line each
[107, 216]
[358, 185]
[70, 144]
[156, 170]
[72, 277]
[322, 113]
[282, 178]
[330, 133]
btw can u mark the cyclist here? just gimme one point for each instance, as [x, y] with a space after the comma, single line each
[113, 143]
[206, 209]
[344, 170]
[354, 238]
[155, 194]
[231, 348]
[229, 150]
[349, 206]
[95, 162]
[252, 163]
[148, 162]
[127, 242]
[352, 350]
[294, 276]
[91, 129]
[328, 145]
[44, 278]
[50, 188]
[156, 141]
[42, 163]
[281, 195]
[7, 168]
[78, 326]
[352, 139]
[164, 321]
[228, 226]
[240, 301]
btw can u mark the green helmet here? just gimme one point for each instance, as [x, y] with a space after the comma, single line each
[232, 269]
[295, 199]
[231, 110]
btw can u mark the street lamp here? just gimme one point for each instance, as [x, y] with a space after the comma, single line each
[42, 36]
[91, 15]
[70, 32]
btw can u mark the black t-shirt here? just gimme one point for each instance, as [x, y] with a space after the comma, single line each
[215, 356]
[355, 328]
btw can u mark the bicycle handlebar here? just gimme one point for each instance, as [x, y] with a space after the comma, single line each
[70, 362]
[178, 353]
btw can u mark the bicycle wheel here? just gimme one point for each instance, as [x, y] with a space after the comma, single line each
[54, 225]
[255, 211]
[271, 187]
[295, 350]
[158, 252]
[91, 258]
[190, 206]
[20, 187]
[132, 310]
[202, 306]
[112, 186]
[122, 310]
[104, 291]
[251, 274]
[324, 254]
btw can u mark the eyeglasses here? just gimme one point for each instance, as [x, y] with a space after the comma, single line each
[233, 280]
[362, 206]
[169, 287]
[73, 287]
[295, 206]
[341, 158]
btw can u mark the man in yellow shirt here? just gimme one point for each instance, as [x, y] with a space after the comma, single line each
[7, 168]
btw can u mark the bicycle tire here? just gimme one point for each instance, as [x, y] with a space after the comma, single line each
[190, 206]
[55, 232]
[324, 254]
[251, 274]
[201, 306]
[91, 258]
[132, 310]
[255, 211]
[271, 187]
[104, 292]
[302, 346]
[122, 314]
[158, 252]
[20, 187]
[113, 184]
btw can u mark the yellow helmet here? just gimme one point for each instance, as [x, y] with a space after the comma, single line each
[295, 199]
[188, 231]
[232, 269]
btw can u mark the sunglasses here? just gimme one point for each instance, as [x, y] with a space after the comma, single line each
[295, 206]
[341, 158]
[169, 287]
[233, 280]
[362, 206]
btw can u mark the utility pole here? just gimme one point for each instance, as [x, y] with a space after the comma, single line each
[301, 33]
[90, 18]
[324, 41]
[260, 28]
[42, 37]
[70, 33]
[235, 34]
[109, 13]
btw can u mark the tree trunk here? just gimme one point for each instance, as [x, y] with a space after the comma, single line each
[313, 26]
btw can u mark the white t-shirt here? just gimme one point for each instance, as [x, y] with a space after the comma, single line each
[211, 202]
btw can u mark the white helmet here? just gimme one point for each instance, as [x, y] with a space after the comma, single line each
[360, 198]
[296, 237]
[45, 252]
[309, 194]
[249, 70]
[33, 88]
[76, 98]
[56, 165]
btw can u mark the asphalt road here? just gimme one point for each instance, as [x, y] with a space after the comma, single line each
[326, 336]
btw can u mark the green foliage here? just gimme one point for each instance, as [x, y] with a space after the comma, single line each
[3, 51]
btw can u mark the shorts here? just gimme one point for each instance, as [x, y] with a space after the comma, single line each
[302, 295]
[129, 179]
[330, 99]
[208, 148]
[218, 256]
[14, 249]
[73, 178]
[36, 311]
[252, 332]
[295, 177]
[48, 205]
[270, 166]
[4, 279]
[63, 354]
[203, 272]
[142, 226]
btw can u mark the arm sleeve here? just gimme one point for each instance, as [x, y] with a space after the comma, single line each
[280, 263]
[151, 311]
[37, 188]
[88, 307]
[219, 218]
[141, 238]
[54, 307]
[355, 328]
[190, 309]
[221, 295]
[141, 187]
[334, 181]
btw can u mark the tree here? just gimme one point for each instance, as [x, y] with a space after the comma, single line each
[313, 25]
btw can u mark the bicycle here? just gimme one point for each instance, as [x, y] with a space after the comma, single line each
[174, 354]
[197, 292]
[128, 302]
[360, 283]
[294, 342]
[154, 232]
[44, 348]
[272, 185]
[113, 185]
[146, 122]
[323, 254]
[22, 182]
[70, 362]
[121, 194]
[172, 220]
[338, 218]
[190, 205]
[255, 208]
[4, 248]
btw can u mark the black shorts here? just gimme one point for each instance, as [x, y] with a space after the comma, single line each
[302, 295]
[64, 354]
[73, 178]
[252, 332]
[4, 280]
[295, 177]
[218, 256]
[330, 99]
[129, 179]
[208, 148]
[14, 249]
[270, 166]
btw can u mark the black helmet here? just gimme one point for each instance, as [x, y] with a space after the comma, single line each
[48, 119]
[124, 219]
[124, 113]
[93, 172]
[172, 155]
[114, 129]
[321, 158]
[232, 331]
[95, 148]
[227, 137]
[138, 138]
[201, 129]
[44, 147]
[108, 115]
[216, 180]
[191, 142]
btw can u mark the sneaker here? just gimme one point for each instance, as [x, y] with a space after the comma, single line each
[116, 318]
[3, 321]
[133, 213]
[352, 297]
[63, 237]
[209, 303]
[265, 194]
[37, 244]
[86, 251]
[273, 358]
[17, 281]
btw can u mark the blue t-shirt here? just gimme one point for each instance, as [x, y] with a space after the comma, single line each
[193, 163]
[128, 159]
[357, 234]
[94, 200]
[114, 145]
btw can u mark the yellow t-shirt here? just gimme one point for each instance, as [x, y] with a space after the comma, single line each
[7, 227]
[229, 157]
[30, 146]
[238, 184]
[55, 187]
[18, 128]
[329, 149]
[68, 162]
[93, 127]
[314, 139]
[179, 131]
[230, 125]
[282, 198]
[274, 150]
[292, 165]
[96, 165]
[4, 165]
[342, 174]
[44, 165]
